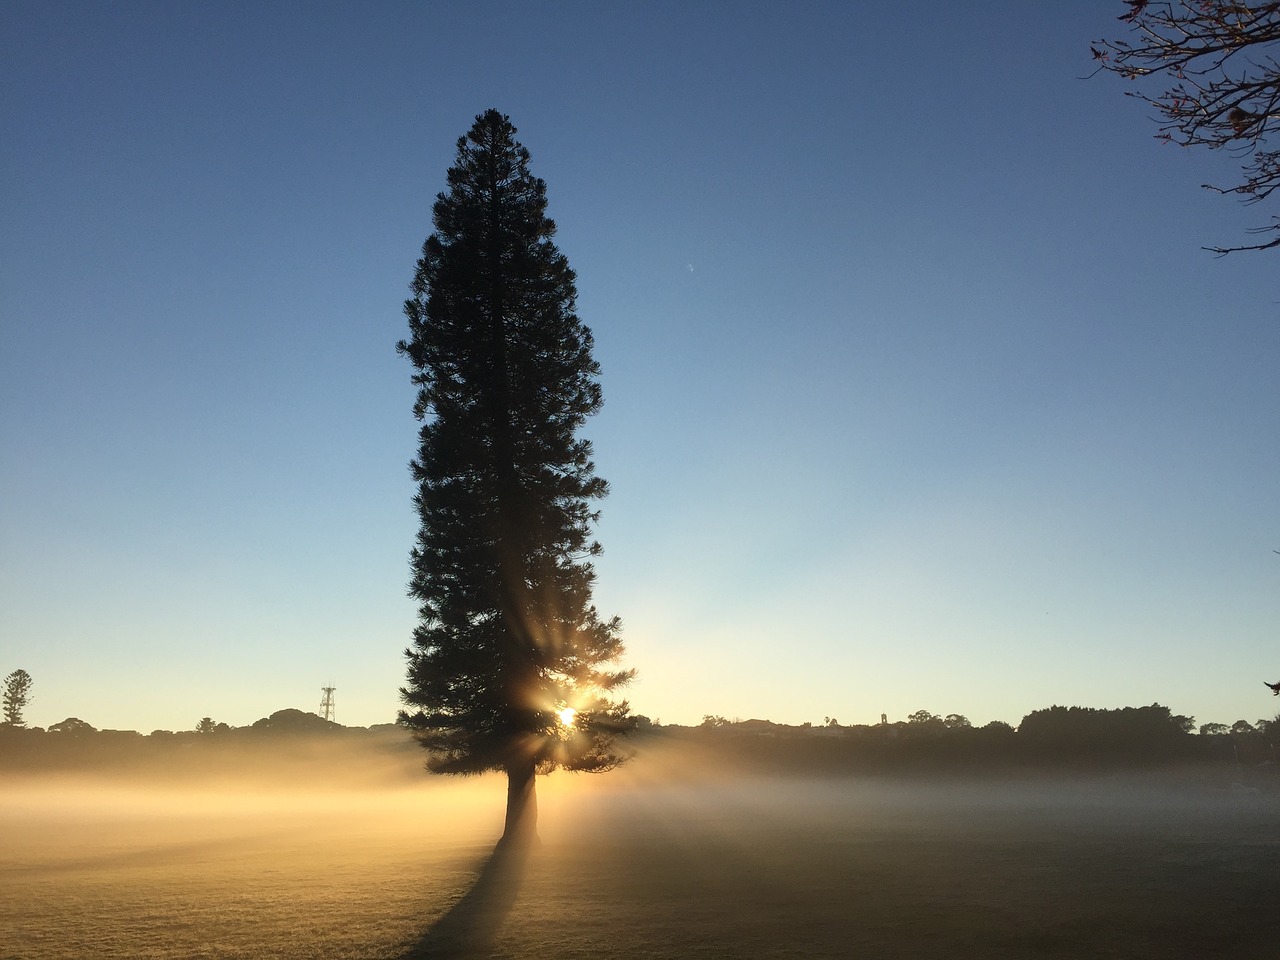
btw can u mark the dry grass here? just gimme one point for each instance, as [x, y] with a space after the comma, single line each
[645, 863]
[230, 875]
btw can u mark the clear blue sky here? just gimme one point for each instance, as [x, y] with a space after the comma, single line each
[919, 392]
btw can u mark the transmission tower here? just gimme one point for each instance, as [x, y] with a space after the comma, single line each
[326, 702]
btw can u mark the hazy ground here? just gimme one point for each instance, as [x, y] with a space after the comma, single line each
[661, 859]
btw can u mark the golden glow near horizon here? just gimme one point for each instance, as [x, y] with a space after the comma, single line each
[566, 716]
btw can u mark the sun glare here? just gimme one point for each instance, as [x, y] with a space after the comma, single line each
[567, 715]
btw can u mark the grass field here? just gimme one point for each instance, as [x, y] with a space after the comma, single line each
[651, 861]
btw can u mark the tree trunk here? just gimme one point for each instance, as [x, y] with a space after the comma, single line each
[522, 805]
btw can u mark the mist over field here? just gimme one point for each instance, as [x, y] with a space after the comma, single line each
[343, 848]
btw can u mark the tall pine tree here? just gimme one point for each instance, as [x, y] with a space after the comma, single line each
[17, 695]
[511, 665]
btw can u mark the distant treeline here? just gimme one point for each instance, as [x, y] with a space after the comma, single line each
[273, 747]
[1072, 737]
[1075, 738]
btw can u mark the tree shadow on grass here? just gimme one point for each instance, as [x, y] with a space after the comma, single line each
[467, 929]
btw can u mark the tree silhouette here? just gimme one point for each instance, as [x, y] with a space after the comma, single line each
[510, 664]
[17, 696]
[1219, 57]
[1141, 732]
[73, 726]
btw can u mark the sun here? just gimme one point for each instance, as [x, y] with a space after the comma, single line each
[566, 716]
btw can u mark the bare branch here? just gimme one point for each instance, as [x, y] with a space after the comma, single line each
[1219, 57]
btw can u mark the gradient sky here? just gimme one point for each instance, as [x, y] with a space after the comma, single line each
[919, 390]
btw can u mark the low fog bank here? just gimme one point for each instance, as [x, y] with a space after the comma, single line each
[1244, 764]
[371, 795]
[297, 843]
[289, 749]
[295, 751]
[676, 789]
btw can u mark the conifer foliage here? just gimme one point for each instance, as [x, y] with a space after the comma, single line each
[511, 666]
[17, 695]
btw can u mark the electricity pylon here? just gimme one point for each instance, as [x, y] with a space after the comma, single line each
[326, 702]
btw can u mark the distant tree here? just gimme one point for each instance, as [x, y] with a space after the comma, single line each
[1242, 726]
[1218, 59]
[208, 725]
[1140, 732]
[17, 697]
[294, 721]
[957, 722]
[1213, 729]
[711, 721]
[72, 725]
[510, 664]
[924, 724]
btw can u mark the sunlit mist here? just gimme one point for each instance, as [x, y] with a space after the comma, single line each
[295, 848]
